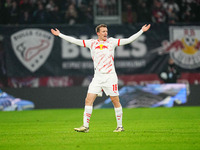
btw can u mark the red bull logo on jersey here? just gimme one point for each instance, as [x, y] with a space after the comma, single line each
[184, 47]
[101, 47]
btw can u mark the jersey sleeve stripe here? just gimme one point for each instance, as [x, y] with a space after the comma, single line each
[118, 42]
[84, 43]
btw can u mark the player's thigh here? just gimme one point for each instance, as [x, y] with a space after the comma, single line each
[90, 98]
[111, 87]
[95, 87]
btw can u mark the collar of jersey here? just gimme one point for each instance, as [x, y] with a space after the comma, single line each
[101, 41]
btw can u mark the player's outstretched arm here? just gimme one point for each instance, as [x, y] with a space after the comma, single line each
[70, 39]
[146, 27]
[134, 36]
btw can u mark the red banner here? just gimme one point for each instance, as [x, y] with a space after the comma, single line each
[66, 81]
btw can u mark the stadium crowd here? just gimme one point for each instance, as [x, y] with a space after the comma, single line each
[81, 11]
[161, 11]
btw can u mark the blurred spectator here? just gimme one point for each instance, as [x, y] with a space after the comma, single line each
[64, 4]
[172, 9]
[85, 12]
[7, 8]
[54, 12]
[14, 13]
[190, 11]
[196, 10]
[50, 6]
[8, 3]
[186, 15]
[107, 8]
[40, 16]
[25, 5]
[88, 15]
[171, 73]
[129, 16]
[158, 13]
[112, 7]
[143, 12]
[55, 15]
[71, 15]
[79, 3]
[38, 11]
[25, 18]
[101, 6]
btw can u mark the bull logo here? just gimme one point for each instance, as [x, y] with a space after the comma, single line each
[101, 47]
[185, 46]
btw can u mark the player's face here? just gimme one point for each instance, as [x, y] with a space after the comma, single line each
[103, 33]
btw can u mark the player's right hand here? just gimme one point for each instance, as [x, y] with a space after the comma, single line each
[146, 27]
[55, 32]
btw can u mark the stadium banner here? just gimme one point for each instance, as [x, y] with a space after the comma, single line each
[34, 51]
[11, 103]
[73, 97]
[84, 81]
[150, 95]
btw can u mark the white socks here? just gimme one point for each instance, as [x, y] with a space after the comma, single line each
[118, 114]
[88, 112]
[87, 115]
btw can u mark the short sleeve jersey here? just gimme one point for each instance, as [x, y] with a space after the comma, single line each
[102, 53]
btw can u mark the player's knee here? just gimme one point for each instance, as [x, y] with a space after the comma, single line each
[114, 98]
[115, 101]
[88, 101]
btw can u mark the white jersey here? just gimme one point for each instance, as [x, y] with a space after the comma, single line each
[102, 53]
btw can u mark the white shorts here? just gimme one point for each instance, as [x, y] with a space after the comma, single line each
[104, 82]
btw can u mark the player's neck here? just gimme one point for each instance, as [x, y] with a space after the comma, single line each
[102, 40]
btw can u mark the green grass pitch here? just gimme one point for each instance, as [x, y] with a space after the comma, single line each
[176, 128]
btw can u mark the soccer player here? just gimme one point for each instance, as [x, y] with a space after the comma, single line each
[105, 78]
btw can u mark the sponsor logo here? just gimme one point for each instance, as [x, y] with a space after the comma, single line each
[184, 47]
[101, 47]
[32, 47]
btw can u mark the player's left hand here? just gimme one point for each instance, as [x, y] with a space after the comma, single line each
[146, 27]
[55, 32]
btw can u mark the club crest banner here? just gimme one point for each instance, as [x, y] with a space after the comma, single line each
[185, 46]
[32, 47]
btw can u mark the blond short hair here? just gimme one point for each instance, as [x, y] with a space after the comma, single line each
[99, 26]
